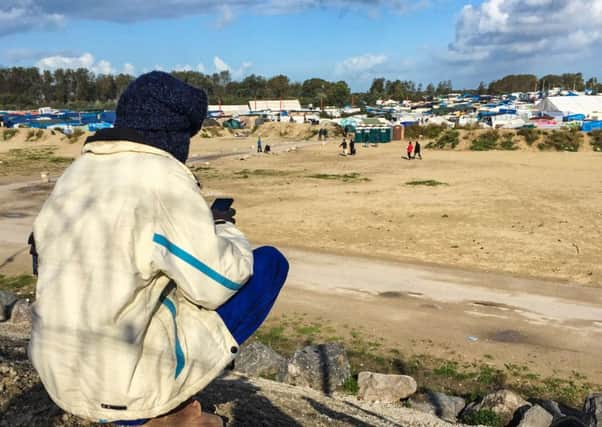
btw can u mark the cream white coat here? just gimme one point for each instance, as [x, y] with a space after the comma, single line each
[131, 269]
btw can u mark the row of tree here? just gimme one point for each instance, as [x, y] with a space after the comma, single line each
[531, 83]
[30, 88]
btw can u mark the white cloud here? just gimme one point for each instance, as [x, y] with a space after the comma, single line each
[227, 16]
[27, 15]
[85, 60]
[24, 15]
[129, 69]
[200, 68]
[360, 63]
[237, 73]
[499, 31]
[220, 65]
[57, 61]
[185, 67]
[103, 67]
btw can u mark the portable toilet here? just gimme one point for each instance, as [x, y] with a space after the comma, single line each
[397, 133]
[374, 135]
[359, 135]
[385, 135]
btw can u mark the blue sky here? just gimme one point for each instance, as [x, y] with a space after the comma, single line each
[353, 40]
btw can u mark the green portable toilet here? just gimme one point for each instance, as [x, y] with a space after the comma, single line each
[374, 135]
[359, 135]
[366, 132]
[385, 135]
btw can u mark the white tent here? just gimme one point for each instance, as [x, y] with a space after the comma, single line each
[230, 109]
[587, 105]
[275, 105]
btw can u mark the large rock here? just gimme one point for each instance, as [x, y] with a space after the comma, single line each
[21, 312]
[536, 416]
[7, 299]
[504, 403]
[385, 388]
[323, 367]
[259, 360]
[440, 404]
[593, 410]
[558, 410]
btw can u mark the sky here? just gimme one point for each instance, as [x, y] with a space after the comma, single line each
[466, 41]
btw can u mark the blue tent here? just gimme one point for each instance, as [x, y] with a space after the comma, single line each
[591, 125]
[573, 117]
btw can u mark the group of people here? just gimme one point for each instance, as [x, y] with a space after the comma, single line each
[416, 149]
[267, 149]
[322, 134]
[348, 148]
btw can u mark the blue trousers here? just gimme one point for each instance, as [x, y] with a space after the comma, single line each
[249, 307]
[244, 313]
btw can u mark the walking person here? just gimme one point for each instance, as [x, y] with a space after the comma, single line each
[343, 145]
[409, 150]
[259, 148]
[352, 147]
[417, 150]
[144, 293]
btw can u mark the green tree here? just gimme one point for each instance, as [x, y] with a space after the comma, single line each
[338, 94]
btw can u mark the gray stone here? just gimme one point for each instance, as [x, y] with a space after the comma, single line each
[21, 312]
[259, 360]
[7, 299]
[322, 367]
[593, 410]
[439, 404]
[558, 410]
[536, 416]
[504, 403]
[385, 388]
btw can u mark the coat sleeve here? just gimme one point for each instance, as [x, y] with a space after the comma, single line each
[208, 262]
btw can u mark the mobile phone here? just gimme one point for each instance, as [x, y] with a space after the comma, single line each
[222, 204]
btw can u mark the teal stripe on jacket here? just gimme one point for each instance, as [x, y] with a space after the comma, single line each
[195, 262]
[180, 359]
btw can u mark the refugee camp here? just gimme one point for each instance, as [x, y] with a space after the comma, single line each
[301, 214]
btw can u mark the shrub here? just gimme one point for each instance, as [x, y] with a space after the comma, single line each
[596, 139]
[427, 182]
[562, 140]
[428, 131]
[34, 135]
[486, 141]
[449, 139]
[75, 135]
[8, 134]
[530, 134]
[508, 142]
[485, 417]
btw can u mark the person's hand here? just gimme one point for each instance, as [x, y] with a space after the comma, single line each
[224, 215]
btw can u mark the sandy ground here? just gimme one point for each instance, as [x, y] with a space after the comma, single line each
[506, 251]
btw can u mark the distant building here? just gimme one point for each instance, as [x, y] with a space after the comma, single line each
[275, 105]
[228, 110]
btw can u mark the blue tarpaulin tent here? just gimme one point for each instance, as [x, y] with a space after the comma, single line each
[591, 125]
[573, 117]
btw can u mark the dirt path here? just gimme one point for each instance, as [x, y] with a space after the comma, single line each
[551, 328]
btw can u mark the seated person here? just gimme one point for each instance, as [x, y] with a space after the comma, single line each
[144, 294]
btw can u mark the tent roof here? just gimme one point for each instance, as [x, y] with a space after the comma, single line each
[275, 105]
[571, 104]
